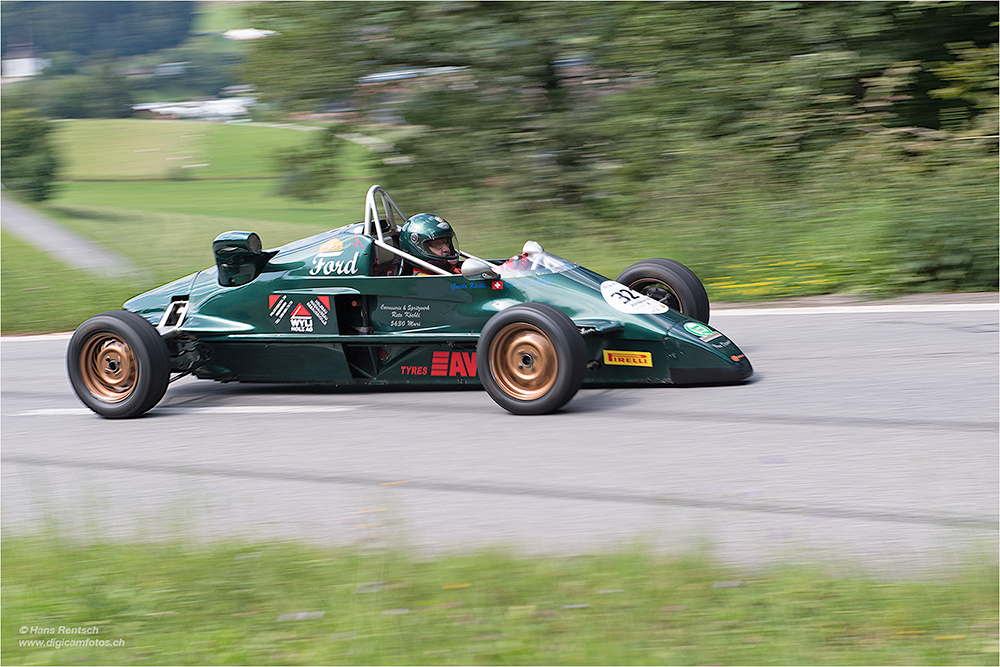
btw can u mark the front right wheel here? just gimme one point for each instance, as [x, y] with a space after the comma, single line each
[531, 359]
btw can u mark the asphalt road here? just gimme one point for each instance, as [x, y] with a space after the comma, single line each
[869, 436]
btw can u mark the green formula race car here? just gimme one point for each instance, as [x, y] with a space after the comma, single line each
[370, 304]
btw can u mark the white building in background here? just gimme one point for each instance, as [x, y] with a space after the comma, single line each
[220, 109]
[247, 33]
[20, 63]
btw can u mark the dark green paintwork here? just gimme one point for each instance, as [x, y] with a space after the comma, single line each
[317, 314]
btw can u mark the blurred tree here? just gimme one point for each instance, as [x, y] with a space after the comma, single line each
[972, 82]
[785, 79]
[501, 113]
[571, 101]
[95, 92]
[947, 239]
[125, 28]
[28, 161]
[62, 97]
[308, 171]
[109, 95]
[63, 63]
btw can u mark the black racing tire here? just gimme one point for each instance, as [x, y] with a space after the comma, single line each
[531, 359]
[118, 364]
[668, 282]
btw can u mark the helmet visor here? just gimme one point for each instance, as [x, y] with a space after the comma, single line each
[441, 248]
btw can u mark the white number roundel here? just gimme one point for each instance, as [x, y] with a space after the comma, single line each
[627, 300]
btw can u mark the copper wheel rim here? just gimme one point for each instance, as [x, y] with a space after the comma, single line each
[523, 361]
[658, 291]
[108, 367]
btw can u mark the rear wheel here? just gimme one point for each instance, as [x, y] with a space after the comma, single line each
[531, 359]
[118, 364]
[671, 283]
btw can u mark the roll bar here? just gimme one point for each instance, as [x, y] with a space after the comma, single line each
[373, 229]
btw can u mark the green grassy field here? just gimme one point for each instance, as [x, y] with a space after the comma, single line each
[290, 604]
[219, 15]
[41, 295]
[160, 149]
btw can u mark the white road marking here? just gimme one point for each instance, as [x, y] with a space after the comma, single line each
[261, 409]
[206, 410]
[36, 337]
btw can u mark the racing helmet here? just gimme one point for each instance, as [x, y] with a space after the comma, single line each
[418, 234]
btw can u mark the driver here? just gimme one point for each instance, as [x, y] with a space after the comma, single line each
[429, 237]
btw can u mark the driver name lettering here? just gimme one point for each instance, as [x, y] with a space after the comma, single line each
[525, 282]
[340, 267]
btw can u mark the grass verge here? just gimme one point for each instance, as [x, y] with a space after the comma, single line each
[42, 295]
[237, 603]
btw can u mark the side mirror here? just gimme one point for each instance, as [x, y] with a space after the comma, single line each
[239, 258]
[531, 248]
[477, 269]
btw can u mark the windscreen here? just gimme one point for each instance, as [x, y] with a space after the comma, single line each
[537, 263]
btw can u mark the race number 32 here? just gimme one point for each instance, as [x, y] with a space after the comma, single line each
[627, 300]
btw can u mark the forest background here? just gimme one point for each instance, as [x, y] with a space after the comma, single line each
[778, 148]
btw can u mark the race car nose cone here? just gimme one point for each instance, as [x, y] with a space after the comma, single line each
[705, 356]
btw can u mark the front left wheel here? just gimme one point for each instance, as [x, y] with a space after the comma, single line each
[670, 283]
[118, 364]
[531, 359]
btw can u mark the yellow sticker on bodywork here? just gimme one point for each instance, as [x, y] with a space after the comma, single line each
[619, 358]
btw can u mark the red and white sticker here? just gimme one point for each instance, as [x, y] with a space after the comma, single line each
[453, 364]
[627, 300]
[302, 321]
[278, 306]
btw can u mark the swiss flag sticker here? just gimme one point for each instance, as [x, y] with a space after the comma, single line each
[497, 284]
